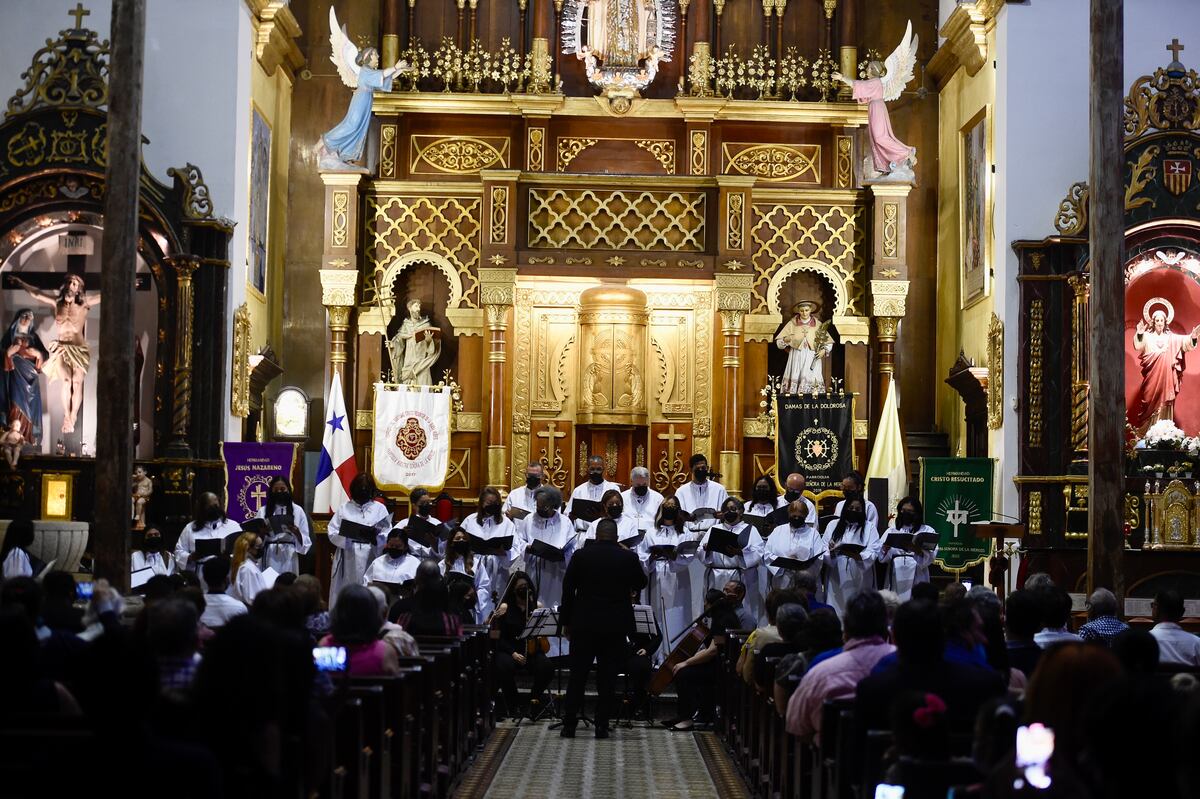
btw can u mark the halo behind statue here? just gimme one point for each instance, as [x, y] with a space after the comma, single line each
[1152, 304]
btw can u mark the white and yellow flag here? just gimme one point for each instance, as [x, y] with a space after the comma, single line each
[887, 455]
[411, 442]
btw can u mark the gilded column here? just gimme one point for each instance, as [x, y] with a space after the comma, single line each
[1079, 364]
[389, 24]
[185, 266]
[847, 45]
[496, 291]
[733, 303]
[337, 295]
[888, 286]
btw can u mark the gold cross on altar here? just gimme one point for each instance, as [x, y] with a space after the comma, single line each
[259, 494]
[1176, 48]
[671, 437]
[79, 12]
[550, 434]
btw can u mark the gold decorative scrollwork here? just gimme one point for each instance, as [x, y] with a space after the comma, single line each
[995, 361]
[579, 262]
[548, 260]
[610, 458]
[569, 148]
[663, 151]
[387, 151]
[239, 403]
[562, 218]
[499, 232]
[1035, 512]
[196, 201]
[699, 152]
[340, 221]
[1036, 330]
[891, 233]
[69, 71]
[833, 235]
[448, 226]
[693, 264]
[1072, 211]
[535, 149]
[844, 174]
[735, 216]
[554, 466]
[1141, 173]
[27, 147]
[1163, 101]
[775, 163]
[457, 155]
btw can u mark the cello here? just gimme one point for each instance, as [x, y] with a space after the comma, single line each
[688, 644]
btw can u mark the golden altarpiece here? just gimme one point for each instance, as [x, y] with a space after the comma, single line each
[610, 265]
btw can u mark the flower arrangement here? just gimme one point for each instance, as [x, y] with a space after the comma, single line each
[792, 73]
[419, 62]
[760, 72]
[447, 62]
[823, 68]
[1164, 434]
[871, 55]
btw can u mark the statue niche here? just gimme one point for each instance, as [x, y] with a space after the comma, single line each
[418, 349]
[804, 351]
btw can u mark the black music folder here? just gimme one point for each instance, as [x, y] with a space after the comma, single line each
[491, 546]
[425, 532]
[206, 548]
[633, 540]
[701, 514]
[517, 514]
[359, 533]
[540, 549]
[792, 564]
[586, 510]
[848, 549]
[911, 541]
[767, 524]
[672, 551]
[720, 539]
[282, 524]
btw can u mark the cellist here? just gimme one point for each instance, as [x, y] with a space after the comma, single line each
[696, 677]
[514, 653]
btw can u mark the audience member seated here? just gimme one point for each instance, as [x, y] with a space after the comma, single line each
[58, 607]
[791, 619]
[806, 584]
[514, 653]
[355, 624]
[1176, 646]
[393, 634]
[1102, 625]
[1022, 620]
[991, 613]
[891, 601]
[823, 636]
[735, 595]
[995, 734]
[316, 618]
[767, 634]
[1055, 606]
[25, 690]
[928, 593]
[865, 643]
[921, 746]
[427, 611]
[922, 665]
[170, 628]
[15, 560]
[696, 677]
[220, 607]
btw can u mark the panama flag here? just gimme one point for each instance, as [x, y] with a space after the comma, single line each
[337, 467]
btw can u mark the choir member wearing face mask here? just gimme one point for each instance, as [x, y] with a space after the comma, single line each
[550, 527]
[847, 570]
[794, 490]
[593, 489]
[674, 583]
[907, 567]
[209, 522]
[152, 554]
[853, 486]
[741, 565]
[396, 566]
[353, 556]
[640, 500]
[700, 492]
[247, 572]
[763, 499]
[490, 522]
[282, 552]
[522, 497]
[614, 508]
[797, 540]
[420, 503]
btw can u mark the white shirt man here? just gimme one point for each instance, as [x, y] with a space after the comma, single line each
[640, 500]
[1176, 645]
[550, 527]
[522, 497]
[219, 608]
[700, 492]
[797, 540]
[593, 489]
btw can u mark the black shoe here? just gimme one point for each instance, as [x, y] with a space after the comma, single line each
[601, 733]
[567, 732]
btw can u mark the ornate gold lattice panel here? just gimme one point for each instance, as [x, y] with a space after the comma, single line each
[616, 220]
[833, 234]
[448, 226]
[456, 155]
[775, 163]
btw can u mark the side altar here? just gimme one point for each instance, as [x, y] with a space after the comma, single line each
[1162, 377]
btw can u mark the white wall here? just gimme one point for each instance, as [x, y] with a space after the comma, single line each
[195, 103]
[1041, 129]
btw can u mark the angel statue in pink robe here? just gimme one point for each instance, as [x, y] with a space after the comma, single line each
[885, 81]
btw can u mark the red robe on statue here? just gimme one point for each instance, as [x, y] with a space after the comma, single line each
[1161, 357]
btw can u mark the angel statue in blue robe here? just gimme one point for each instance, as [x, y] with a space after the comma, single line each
[20, 379]
[359, 69]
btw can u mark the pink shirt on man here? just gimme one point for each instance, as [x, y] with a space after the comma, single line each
[832, 679]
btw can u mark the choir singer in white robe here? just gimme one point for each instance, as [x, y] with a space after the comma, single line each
[848, 572]
[151, 555]
[907, 568]
[490, 522]
[460, 563]
[248, 579]
[794, 490]
[675, 585]
[797, 540]
[284, 556]
[421, 503]
[763, 499]
[547, 525]
[352, 557]
[641, 501]
[700, 492]
[594, 489]
[522, 497]
[852, 485]
[742, 566]
[209, 522]
[396, 566]
[614, 508]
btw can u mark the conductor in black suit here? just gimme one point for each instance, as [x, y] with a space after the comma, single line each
[598, 616]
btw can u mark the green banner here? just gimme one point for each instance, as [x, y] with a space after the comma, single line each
[956, 493]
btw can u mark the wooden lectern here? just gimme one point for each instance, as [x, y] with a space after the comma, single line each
[997, 532]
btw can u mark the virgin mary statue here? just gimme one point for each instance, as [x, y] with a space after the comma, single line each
[20, 382]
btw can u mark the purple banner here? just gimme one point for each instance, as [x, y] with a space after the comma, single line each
[249, 469]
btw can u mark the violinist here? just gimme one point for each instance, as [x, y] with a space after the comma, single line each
[514, 653]
[696, 677]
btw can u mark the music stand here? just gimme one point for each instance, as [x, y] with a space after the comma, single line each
[997, 532]
[644, 623]
[543, 623]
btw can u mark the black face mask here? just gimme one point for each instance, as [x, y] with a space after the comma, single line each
[615, 511]
[491, 510]
[796, 521]
[763, 495]
[669, 514]
[461, 547]
[791, 496]
[212, 514]
[532, 481]
[595, 478]
[152, 545]
[545, 513]
[701, 474]
[730, 516]
[361, 495]
[424, 509]
[905, 518]
[283, 497]
[641, 491]
[854, 516]
[396, 554]
[851, 494]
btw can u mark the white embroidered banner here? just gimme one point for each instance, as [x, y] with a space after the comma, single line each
[411, 442]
